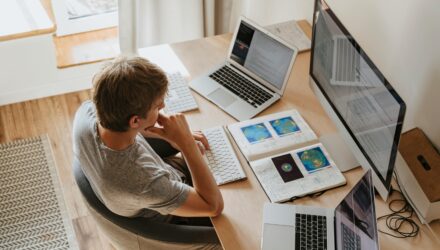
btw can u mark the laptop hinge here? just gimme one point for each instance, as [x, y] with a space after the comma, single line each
[255, 80]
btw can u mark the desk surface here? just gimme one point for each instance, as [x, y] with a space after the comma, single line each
[240, 225]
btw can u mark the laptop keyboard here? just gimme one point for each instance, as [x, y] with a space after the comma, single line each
[241, 86]
[310, 232]
[350, 240]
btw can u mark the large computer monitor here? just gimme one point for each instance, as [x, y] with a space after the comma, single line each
[365, 108]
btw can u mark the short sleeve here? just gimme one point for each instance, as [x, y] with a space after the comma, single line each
[164, 195]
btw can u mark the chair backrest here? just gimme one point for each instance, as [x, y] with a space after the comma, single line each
[144, 227]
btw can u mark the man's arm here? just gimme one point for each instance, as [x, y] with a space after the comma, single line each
[205, 198]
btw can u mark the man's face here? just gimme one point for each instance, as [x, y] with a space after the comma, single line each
[153, 113]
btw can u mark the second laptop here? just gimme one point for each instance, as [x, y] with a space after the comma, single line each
[254, 75]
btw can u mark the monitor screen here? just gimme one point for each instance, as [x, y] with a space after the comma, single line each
[262, 55]
[363, 100]
[355, 218]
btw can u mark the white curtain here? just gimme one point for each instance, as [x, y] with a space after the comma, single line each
[168, 21]
[145, 23]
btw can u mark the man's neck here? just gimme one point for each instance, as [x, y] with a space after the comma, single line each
[116, 140]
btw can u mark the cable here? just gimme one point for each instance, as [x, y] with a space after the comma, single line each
[313, 195]
[317, 194]
[400, 218]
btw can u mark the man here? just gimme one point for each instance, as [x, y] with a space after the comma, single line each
[124, 170]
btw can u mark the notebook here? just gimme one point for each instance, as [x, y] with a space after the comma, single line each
[286, 155]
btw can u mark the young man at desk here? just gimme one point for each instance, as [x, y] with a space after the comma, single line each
[127, 148]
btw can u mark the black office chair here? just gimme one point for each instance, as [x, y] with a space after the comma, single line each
[143, 233]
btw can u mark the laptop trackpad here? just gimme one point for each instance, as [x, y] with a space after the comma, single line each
[278, 237]
[222, 97]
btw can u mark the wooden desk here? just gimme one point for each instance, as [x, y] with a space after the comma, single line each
[240, 225]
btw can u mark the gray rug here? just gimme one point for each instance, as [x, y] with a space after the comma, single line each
[32, 209]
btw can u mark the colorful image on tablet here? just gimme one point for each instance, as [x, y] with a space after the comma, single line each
[256, 133]
[313, 159]
[284, 126]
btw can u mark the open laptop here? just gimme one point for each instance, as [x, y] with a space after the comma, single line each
[352, 225]
[254, 75]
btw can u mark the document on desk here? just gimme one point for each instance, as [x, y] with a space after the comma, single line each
[286, 156]
[291, 33]
[165, 57]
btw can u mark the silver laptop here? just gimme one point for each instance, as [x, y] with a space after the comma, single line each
[254, 75]
[352, 225]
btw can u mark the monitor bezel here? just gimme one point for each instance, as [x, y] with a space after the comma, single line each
[399, 126]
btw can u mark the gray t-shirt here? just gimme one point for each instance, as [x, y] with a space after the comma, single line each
[132, 182]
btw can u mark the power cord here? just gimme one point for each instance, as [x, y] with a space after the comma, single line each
[400, 218]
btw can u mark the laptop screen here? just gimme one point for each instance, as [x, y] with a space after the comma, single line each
[355, 217]
[261, 54]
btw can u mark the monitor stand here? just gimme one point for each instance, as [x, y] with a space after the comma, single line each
[339, 151]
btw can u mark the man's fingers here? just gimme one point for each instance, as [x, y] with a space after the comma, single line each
[156, 130]
[162, 118]
[199, 136]
[201, 147]
[147, 133]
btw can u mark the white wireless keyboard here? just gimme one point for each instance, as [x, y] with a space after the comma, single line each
[221, 159]
[179, 98]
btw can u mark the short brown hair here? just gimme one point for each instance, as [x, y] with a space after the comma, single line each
[127, 87]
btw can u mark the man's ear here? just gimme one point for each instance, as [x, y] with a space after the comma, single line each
[134, 121]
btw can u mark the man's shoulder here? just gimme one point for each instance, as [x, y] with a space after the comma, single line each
[85, 118]
[87, 107]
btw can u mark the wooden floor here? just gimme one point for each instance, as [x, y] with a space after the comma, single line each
[54, 116]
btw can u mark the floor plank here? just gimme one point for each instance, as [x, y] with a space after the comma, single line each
[88, 234]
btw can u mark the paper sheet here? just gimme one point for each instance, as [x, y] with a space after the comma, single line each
[291, 33]
[164, 57]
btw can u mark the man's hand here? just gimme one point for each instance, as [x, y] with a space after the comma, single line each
[201, 141]
[175, 130]
[148, 134]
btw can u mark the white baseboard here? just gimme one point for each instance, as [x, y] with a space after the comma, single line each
[40, 91]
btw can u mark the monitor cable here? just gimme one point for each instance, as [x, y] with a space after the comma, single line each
[400, 218]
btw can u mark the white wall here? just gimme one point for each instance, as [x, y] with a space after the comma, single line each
[267, 12]
[402, 37]
[28, 71]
